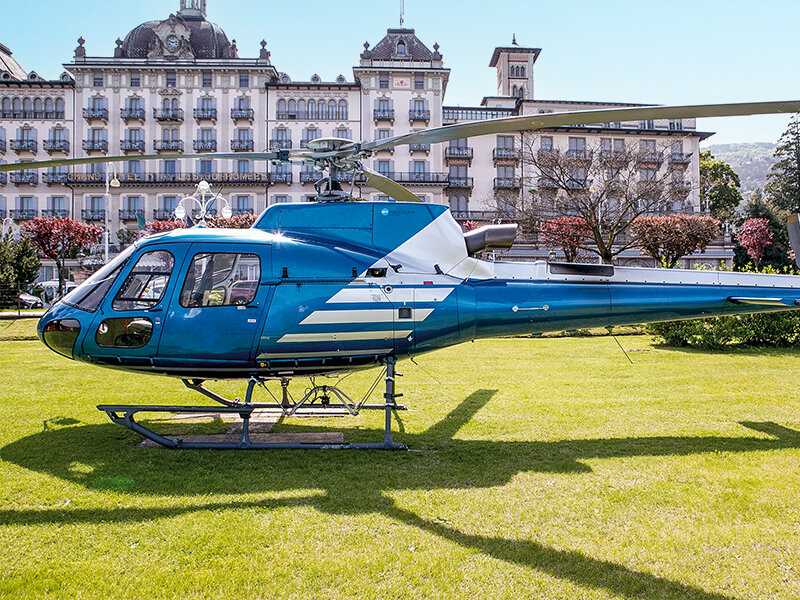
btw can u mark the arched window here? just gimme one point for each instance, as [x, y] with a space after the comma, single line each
[6, 108]
[312, 110]
[458, 204]
[17, 108]
[332, 109]
[27, 108]
[322, 113]
[165, 104]
[174, 105]
[343, 110]
[38, 108]
[521, 92]
[59, 108]
[522, 71]
[514, 90]
[49, 111]
[292, 109]
[281, 108]
[401, 48]
[301, 110]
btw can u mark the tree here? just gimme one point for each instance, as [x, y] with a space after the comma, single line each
[159, 226]
[720, 192]
[783, 185]
[568, 233]
[244, 221]
[57, 239]
[668, 238]
[608, 187]
[754, 236]
[19, 267]
[776, 255]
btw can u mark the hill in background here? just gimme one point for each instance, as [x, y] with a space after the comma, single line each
[750, 161]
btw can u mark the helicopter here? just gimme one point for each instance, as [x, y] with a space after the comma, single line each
[340, 284]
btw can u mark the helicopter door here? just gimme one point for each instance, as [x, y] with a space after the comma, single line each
[217, 311]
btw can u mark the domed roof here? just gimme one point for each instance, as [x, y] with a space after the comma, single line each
[205, 39]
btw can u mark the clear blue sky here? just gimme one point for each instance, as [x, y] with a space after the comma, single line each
[666, 52]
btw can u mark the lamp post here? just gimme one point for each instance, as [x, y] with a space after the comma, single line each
[8, 226]
[115, 184]
[203, 198]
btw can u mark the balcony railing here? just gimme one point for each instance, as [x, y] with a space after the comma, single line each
[93, 214]
[242, 113]
[280, 143]
[177, 179]
[505, 154]
[681, 157]
[458, 152]
[681, 187]
[205, 114]
[130, 215]
[278, 177]
[205, 145]
[56, 145]
[95, 145]
[61, 213]
[2, 213]
[579, 154]
[460, 182]
[427, 177]
[507, 183]
[168, 145]
[131, 114]
[475, 215]
[650, 157]
[54, 178]
[2, 145]
[419, 115]
[131, 145]
[24, 145]
[3, 178]
[383, 114]
[419, 147]
[242, 211]
[241, 145]
[163, 214]
[24, 178]
[547, 183]
[168, 114]
[23, 214]
[90, 114]
[613, 155]
[310, 176]
[579, 184]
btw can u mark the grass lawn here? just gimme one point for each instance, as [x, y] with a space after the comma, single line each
[541, 468]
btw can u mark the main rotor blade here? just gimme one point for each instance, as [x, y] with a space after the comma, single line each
[580, 117]
[387, 186]
[60, 162]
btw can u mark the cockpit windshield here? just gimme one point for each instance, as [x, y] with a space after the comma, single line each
[87, 296]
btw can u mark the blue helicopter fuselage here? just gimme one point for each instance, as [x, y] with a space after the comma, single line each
[315, 288]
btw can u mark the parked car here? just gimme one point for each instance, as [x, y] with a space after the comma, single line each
[243, 292]
[51, 288]
[29, 301]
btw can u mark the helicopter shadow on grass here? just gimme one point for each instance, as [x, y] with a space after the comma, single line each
[104, 457]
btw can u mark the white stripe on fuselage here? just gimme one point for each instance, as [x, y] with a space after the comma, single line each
[343, 336]
[369, 315]
[397, 296]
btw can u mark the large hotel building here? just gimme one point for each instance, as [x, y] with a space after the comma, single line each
[179, 85]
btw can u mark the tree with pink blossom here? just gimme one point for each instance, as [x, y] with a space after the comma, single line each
[754, 236]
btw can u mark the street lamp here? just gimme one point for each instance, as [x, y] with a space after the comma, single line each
[203, 198]
[115, 184]
[9, 227]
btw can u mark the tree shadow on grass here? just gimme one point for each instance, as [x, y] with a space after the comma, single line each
[104, 457]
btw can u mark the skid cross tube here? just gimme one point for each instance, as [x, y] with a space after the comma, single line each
[124, 415]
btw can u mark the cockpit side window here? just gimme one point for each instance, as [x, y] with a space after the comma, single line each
[147, 281]
[221, 279]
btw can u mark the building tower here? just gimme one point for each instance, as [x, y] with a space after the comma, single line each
[514, 66]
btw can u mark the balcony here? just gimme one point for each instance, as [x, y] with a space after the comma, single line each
[163, 214]
[681, 187]
[547, 183]
[23, 214]
[505, 154]
[168, 145]
[131, 178]
[475, 215]
[651, 158]
[93, 215]
[546, 153]
[614, 156]
[279, 177]
[94, 114]
[172, 115]
[420, 178]
[2, 146]
[131, 145]
[2, 213]
[95, 145]
[579, 184]
[242, 211]
[458, 152]
[130, 215]
[131, 114]
[310, 176]
[419, 115]
[426, 148]
[205, 145]
[281, 144]
[507, 183]
[460, 182]
[51, 178]
[383, 114]
[680, 158]
[580, 155]
[242, 145]
[3, 178]
[22, 178]
[242, 114]
[56, 146]
[59, 213]
[24, 145]
[205, 114]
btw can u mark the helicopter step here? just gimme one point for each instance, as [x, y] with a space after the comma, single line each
[124, 415]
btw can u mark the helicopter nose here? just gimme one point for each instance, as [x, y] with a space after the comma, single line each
[60, 334]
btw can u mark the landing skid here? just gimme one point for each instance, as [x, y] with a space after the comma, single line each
[124, 414]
